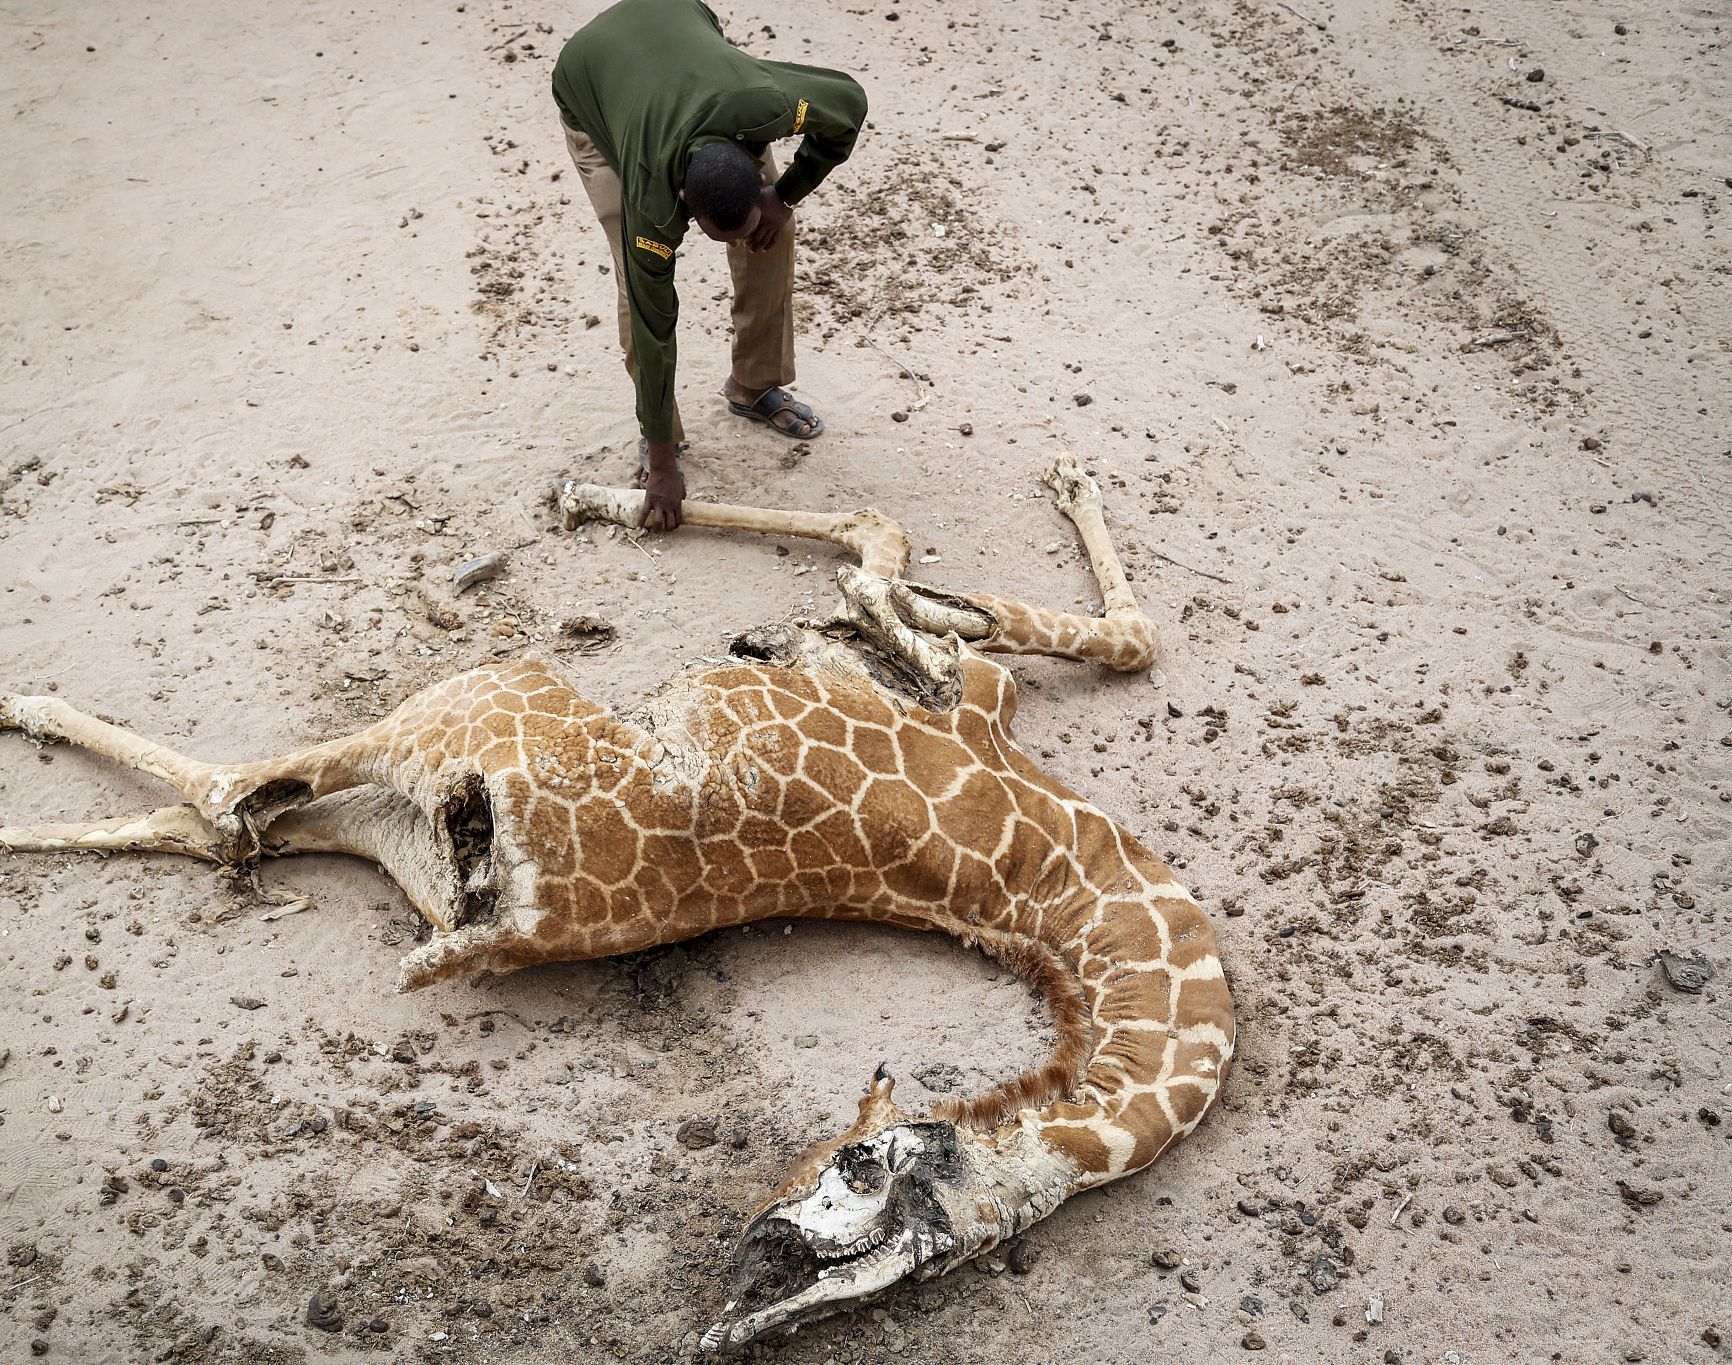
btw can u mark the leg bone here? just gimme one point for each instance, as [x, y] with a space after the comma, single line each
[171, 829]
[881, 543]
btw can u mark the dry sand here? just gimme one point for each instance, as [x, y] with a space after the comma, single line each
[1427, 387]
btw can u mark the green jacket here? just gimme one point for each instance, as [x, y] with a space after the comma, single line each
[650, 82]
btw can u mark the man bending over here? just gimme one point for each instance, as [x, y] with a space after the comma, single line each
[668, 125]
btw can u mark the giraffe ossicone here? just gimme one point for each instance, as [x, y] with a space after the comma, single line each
[858, 767]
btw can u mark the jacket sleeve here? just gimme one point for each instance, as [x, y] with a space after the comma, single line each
[655, 309]
[830, 118]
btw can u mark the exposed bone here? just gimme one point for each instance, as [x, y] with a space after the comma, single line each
[931, 671]
[880, 542]
[479, 570]
[172, 829]
[1124, 639]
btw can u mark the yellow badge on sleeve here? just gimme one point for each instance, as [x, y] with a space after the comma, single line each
[661, 249]
[800, 115]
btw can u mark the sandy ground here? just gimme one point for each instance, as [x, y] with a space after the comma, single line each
[1410, 398]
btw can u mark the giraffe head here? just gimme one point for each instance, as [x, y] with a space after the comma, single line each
[856, 1215]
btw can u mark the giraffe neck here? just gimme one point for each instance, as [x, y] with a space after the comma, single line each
[1128, 962]
[1160, 1015]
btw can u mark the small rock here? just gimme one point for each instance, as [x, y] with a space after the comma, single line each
[898, 416]
[246, 1002]
[1083, 399]
[593, 1277]
[323, 1312]
[1190, 1282]
[1165, 1260]
[1586, 844]
[967, 428]
[806, 1040]
[939, 1077]
[1253, 1341]
[1689, 974]
[1023, 1258]
[1324, 1276]
[696, 1134]
[1638, 1198]
[1453, 1215]
[1156, 1313]
[1251, 1304]
[1537, 75]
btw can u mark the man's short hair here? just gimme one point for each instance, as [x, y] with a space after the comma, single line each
[722, 185]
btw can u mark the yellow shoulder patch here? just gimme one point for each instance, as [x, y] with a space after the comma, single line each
[800, 115]
[661, 249]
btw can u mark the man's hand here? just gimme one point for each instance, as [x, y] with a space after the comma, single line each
[773, 216]
[664, 488]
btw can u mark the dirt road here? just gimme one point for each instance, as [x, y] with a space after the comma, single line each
[1400, 336]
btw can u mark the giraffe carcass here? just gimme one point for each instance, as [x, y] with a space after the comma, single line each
[860, 767]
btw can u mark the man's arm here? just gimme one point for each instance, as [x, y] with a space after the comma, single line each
[655, 311]
[830, 113]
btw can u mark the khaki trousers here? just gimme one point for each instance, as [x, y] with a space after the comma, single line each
[763, 308]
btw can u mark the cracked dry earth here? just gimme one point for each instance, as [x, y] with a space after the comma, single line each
[1416, 365]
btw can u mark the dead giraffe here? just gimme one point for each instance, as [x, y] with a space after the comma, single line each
[860, 768]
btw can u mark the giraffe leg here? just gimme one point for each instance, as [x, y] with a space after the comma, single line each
[234, 800]
[375, 823]
[881, 544]
[384, 827]
[170, 829]
[49, 718]
[1121, 638]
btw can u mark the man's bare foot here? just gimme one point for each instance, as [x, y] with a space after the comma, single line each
[775, 408]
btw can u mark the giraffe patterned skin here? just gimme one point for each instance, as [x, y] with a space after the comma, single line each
[747, 792]
[530, 825]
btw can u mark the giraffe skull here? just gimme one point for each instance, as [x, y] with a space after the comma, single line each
[880, 1207]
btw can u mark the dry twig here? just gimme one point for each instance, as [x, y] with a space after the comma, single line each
[908, 372]
[1201, 573]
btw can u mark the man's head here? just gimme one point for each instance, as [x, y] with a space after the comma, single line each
[721, 192]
